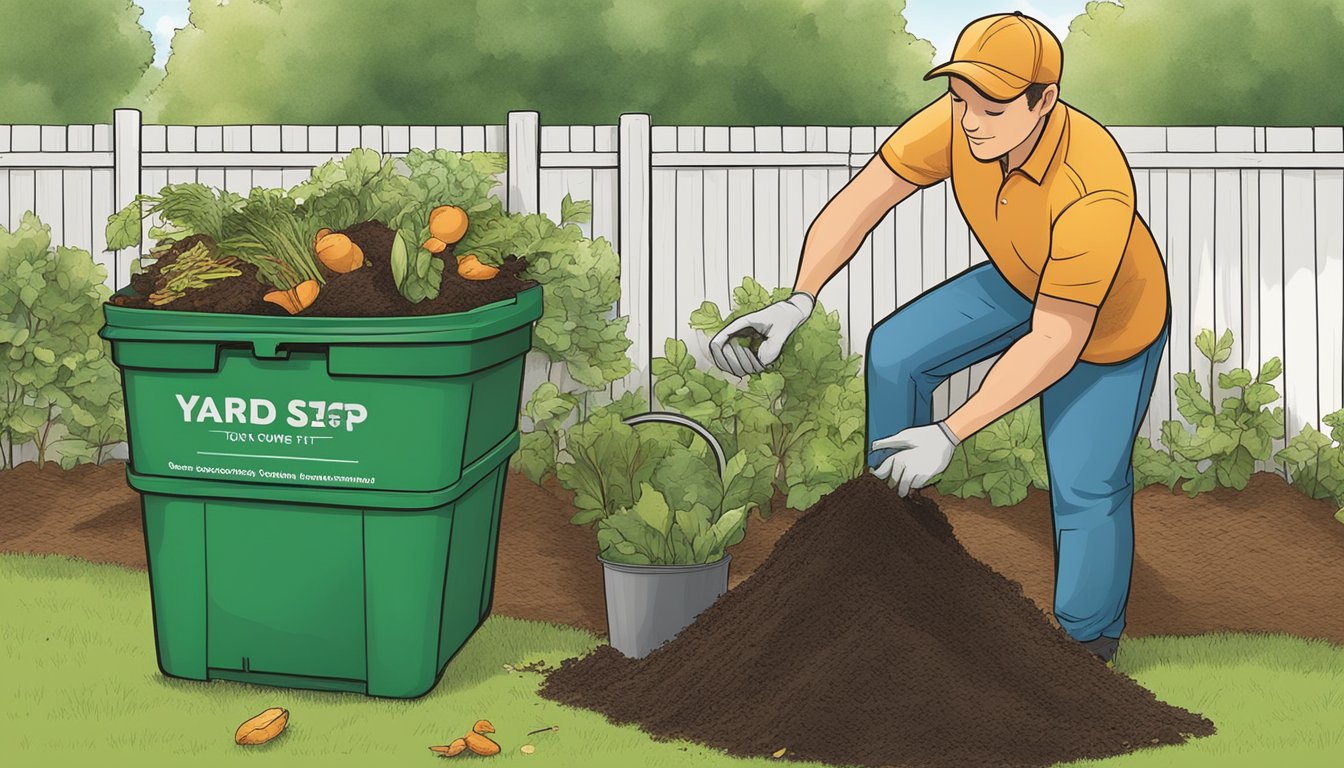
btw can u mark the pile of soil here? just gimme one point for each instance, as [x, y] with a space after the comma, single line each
[870, 637]
[366, 292]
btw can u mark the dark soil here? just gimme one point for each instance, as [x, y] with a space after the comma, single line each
[366, 292]
[870, 637]
[1263, 559]
[235, 295]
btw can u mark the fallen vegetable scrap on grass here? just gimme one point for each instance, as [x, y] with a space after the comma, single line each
[476, 741]
[262, 728]
[869, 619]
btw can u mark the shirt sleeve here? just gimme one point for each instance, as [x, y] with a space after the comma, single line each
[1087, 242]
[920, 151]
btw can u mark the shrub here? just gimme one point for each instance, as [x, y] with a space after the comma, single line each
[1229, 438]
[60, 390]
[1316, 461]
[806, 412]
[1001, 461]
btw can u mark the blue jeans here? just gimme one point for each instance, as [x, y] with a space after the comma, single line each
[1089, 420]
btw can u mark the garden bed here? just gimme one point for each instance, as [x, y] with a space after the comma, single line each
[1262, 560]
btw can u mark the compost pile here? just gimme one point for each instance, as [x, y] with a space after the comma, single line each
[870, 637]
[369, 291]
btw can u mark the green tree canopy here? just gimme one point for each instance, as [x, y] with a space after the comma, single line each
[829, 62]
[71, 62]
[1207, 62]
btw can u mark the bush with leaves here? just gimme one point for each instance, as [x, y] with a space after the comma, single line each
[60, 390]
[1001, 461]
[1230, 437]
[807, 411]
[1316, 461]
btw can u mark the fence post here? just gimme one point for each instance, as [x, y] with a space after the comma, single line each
[126, 134]
[524, 158]
[634, 237]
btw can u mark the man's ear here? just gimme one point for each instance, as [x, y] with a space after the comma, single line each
[1049, 98]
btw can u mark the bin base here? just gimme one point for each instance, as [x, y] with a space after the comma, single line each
[289, 681]
[337, 596]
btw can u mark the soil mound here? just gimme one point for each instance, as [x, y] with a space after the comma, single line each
[369, 291]
[870, 637]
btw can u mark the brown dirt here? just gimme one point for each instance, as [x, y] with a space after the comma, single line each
[366, 292]
[1264, 559]
[1261, 560]
[869, 636]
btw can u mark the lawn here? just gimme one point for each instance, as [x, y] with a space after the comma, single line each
[80, 680]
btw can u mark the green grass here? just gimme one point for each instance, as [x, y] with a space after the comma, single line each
[80, 680]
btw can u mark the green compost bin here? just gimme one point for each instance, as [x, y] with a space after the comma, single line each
[321, 496]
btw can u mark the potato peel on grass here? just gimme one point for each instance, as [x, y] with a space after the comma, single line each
[263, 727]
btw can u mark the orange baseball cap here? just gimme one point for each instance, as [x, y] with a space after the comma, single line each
[1003, 54]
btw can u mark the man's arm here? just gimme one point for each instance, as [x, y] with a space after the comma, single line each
[846, 220]
[1059, 330]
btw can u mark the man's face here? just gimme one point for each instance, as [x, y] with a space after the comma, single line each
[995, 127]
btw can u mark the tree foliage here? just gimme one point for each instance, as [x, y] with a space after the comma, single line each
[71, 64]
[833, 62]
[1207, 62]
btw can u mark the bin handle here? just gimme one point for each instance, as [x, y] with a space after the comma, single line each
[667, 417]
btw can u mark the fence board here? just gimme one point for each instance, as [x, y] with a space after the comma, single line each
[1330, 289]
[49, 202]
[22, 194]
[1301, 315]
[715, 251]
[765, 241]
[1226, 269]
[101, 194]
[1178, 268]
[689, 280]
[1271, 314]
[663, 268]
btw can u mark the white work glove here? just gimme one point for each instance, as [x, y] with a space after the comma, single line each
[776, 322]
[921, 453]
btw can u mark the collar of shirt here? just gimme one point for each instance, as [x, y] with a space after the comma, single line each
[1047, 145]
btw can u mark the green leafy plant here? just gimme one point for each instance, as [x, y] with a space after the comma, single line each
[1001, 461]
[1228, 438]
[183, 210]
[59, 389]
[807, 411]
[694, 518]
[547, 410]
[606, 460]
[1316, 461]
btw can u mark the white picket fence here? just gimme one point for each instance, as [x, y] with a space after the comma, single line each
[1249, 219]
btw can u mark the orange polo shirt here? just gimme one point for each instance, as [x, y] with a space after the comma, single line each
[1063, 224]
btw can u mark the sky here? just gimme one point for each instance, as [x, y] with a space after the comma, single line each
[937, 21]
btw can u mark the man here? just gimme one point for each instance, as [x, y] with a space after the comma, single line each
[1073, 298]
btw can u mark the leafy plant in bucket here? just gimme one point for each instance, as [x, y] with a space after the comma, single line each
[692, 524]
[607, 460]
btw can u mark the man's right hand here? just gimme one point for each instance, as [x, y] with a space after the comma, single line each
[775, 323]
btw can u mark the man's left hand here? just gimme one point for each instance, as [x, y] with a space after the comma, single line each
[921, 453]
